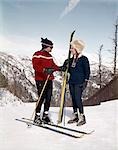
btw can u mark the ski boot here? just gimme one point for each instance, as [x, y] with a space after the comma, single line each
[82, 120]
[74, 119]
[37, 119]
[45, 118]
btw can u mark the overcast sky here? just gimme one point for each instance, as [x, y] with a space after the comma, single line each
[24, 22]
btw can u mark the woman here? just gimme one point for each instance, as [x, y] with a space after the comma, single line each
[79, 71]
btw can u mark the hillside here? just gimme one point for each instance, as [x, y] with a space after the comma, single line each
[19, 75]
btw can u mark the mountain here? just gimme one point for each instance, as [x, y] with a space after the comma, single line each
[19, 76]
[7, 98]
[18, 71]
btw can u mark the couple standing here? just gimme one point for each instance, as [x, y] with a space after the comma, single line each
[79, 70]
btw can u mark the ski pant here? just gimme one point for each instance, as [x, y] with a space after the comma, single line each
[76, 94]
[46, 96]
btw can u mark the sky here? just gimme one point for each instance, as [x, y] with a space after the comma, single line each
[24, 22]
[15, 135]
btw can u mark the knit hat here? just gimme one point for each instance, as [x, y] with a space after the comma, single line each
[46, 42]
[78, 45]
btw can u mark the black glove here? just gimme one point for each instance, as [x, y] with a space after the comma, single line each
[48, 70]
[66, 62]
[62, 68]
[65, 65]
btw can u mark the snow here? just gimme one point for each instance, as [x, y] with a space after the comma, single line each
[15, 135]
[7, 98]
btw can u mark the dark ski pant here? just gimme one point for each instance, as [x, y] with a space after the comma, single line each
[46, 96]
[76, 94]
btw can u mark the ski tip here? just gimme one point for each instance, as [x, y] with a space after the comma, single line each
[72, 33]
[81, 136]
[90, 132]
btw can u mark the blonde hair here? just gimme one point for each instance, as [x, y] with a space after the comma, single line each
[78, 45]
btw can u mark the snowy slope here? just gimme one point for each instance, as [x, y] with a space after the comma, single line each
[7, 98]
[16, 136]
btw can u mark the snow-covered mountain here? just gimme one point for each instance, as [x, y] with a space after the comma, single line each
[7, 98]
[19, 73]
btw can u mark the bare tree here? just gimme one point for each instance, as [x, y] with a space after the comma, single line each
[115, 47]
[100, 64]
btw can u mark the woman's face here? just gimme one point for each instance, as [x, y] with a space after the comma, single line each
[73, 51]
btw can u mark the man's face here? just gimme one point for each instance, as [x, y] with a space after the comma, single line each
[49, 49]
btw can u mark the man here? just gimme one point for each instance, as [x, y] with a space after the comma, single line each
[79, 71]
[44, 65]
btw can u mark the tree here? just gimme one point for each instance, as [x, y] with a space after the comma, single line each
[115, 48]
[100, 63]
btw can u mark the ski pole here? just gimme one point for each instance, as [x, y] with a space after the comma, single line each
[40, 96]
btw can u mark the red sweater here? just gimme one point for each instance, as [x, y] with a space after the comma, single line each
[40, 60]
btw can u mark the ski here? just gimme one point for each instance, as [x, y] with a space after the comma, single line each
[66, 128]
[63, 88]
[29, 123]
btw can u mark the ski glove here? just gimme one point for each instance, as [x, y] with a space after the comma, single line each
[65, 65]
[62, 68]
[48, 70]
